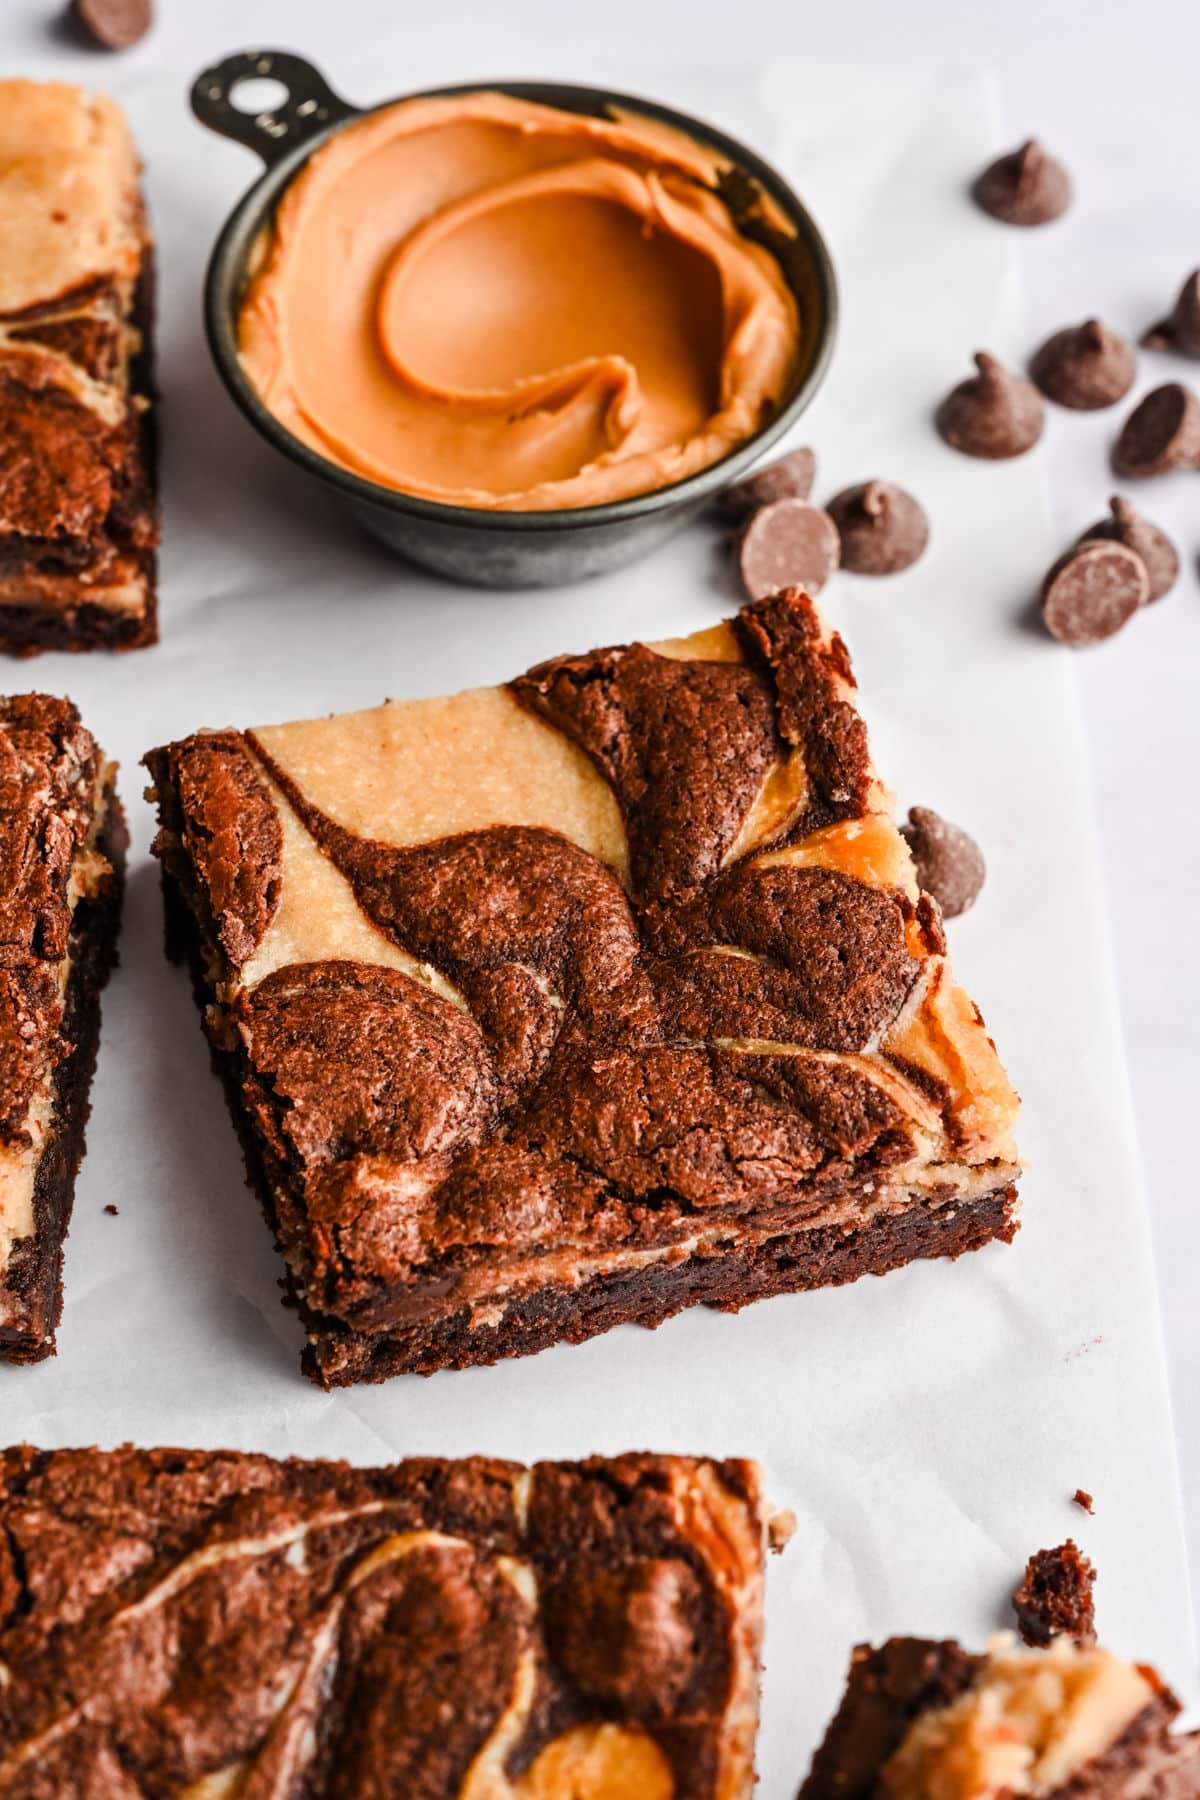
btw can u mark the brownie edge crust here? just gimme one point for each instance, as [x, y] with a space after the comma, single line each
[62, 866]
[547, 1008]
[214, 1624]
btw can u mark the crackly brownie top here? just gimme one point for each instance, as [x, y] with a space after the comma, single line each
[615, 954]
[1065, 1722]
[50, 781]
[208, 1624]
[72, 238]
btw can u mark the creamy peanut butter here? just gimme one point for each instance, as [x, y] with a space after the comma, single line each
[484, 301]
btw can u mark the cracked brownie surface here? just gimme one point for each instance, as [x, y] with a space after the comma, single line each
[546, 1007]
[78, 517]
[62, 847]
[210, 1625]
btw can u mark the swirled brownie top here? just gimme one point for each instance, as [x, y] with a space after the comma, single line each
[585, 967]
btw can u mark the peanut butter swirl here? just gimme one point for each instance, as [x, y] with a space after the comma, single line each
[485, 301]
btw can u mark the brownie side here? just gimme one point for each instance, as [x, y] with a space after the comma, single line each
[66, 1037]
[169, 1617]
[78, 495]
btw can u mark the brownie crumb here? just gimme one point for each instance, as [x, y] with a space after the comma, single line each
[781, 1528]
[110, 1208]
[1055, 1599]
[1084, 1500]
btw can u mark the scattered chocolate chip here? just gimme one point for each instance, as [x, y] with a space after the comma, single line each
[790, 478]
[1084, 1500]
[788, 544]
[1161, 433]
[993, 414]
[1092, 591]
[1155, 548]
[882, 528]
[1085, 367]
[1026, 187]
[1180, 330]
[1055, 1599]
[949, 862]
[111, 24]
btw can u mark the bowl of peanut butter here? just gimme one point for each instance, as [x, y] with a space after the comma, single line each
[523, 330]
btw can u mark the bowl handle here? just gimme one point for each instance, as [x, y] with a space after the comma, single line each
[309, 107]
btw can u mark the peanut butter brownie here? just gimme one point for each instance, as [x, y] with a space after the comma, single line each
[547, 1007]
[62, 857]
[922, 1718]
[208, 1625]
[78, 520]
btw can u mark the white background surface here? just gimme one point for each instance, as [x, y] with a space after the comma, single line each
[905, 1468]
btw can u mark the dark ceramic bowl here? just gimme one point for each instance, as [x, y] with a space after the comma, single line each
[495, 549]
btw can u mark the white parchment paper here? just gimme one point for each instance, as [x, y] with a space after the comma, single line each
[928, 1429]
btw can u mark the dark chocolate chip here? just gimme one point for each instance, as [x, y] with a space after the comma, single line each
[949, 862]
[1155, 548]
[111, 24]
[1180, 330]
[790, 478]
[1026, 187]
[1092, 591]
[1085, 367]
[788, 544]
[1162, 433]
[994, 414]
[882, 528]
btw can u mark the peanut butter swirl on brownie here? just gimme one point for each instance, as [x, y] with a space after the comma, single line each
[78, 520]
[549, 1007]
[62, 849]
[214, 1626]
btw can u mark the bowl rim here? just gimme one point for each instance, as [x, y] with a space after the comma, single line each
[250, 213]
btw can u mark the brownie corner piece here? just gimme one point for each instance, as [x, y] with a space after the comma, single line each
[62, 855]
[553, 1006]
[78, 508]
[205, 1622]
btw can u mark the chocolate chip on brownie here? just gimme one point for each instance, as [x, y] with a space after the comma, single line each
[791, 477]
[788, 544]
[1162, 433]
[1026, 187]
[949, 862]
[1084, 367]
[1092, 591]
[111, 24]
[881, 527]
[1127, 525]
[1180, 330]
[993, 414]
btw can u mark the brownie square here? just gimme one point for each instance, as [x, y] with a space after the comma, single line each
[921, 1717]
[62, 858]
[547, 1007]
[208, 1624]
[78, 517]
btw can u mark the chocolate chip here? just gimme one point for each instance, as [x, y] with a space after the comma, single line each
[788, 544]
[790, 478]
[1092, 591]
[1155, 548]
[1085, 367]
[1180, 330]
[111, 24]
[882, 528]
[949, 862]
[1161, 433]
[1026, 187]
[994, 414]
